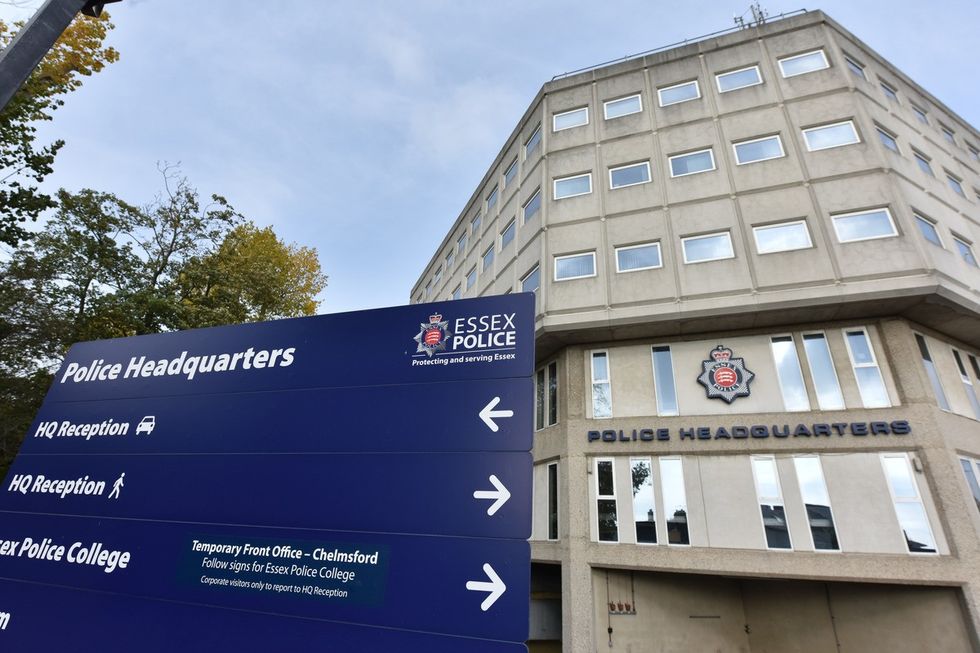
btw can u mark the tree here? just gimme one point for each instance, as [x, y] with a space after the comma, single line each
[79, 52]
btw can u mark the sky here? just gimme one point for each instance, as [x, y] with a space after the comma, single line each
[362, 128]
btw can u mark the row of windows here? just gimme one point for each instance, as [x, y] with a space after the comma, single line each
[906, 499]
[936, 381]
[923, 161]
[789, 373]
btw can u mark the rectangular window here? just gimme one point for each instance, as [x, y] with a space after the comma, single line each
[675, 501]
[759, 149]
[471, 278]
[736, 79]
[966, 251]
[711, 247]
[928, 229]
[663, 382]
[887, 139]
[678, 93]
[974, 152]
[532, 143]
[822, 372]
[889, 91]
[553, 501]
[801, 64]
[920, 114]
[971, 393]
[546, 393]
[532, 206]
[789, 373]
[461, 244]
[510, 173]
[865, 365]
[971, 470]
[601, 386]
[816, 500]
[856, 69]
[622, 107]
[488, 258]
[507, 235]
[457, 292]
[923, 162]
[782, 237]
[908, 505]
[771, 502]
[955, 183]
[437, 276]
[531, 281]
[605, 481]
[553, 393]
[865, 225]
[475, 225]
[691, 163]
[638, 257]
[575, 266]
[450, 259]
[644, 509]
[428, 288]
[631, 175]
[491, 200]
[948, 134]
[539, 401]
[573, 186]
[828, 136]
[569, 119]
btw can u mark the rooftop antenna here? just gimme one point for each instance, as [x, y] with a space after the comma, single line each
[759, 16]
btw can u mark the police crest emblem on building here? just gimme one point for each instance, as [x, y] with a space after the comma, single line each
[725, 377]
[433, 336]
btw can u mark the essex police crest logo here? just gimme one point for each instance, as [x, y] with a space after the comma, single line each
[432, 337]
[724, 377]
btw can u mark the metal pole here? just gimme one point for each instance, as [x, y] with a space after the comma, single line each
[19, 59]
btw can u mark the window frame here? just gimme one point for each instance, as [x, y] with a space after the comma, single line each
[697, 87]
[595, 271]
[476, 222]
[855, 67]
[593, 382]
[948, 134]
[849, 121]
[457, 292]
[508, 178]
[548, 404]
[492, 198]
[920, 218]
[833, 368]
[890, 91]
[684, 240]
[779, 141]
[554, 183]
[823, 55]
[920, 114]
[536, 132]
[955, 183]
[873, 363]
[770, 500]
[554, 116]
[606, 103]
[630, 165]
[917, 499]
[830, 503]
[655, 243]
[485, 264]
[673, 381]
[891, 136]
[524, 215]
[968, 386]
[921, 159]
[774, 225]
[606, 497]
[709, 150]
[536, 268]
[471, 273]
[779, 374]
[653, 501]
[557, 512]
[888, 213]
[663, 494]
[512, 225]
[758, 73]
[962, 244]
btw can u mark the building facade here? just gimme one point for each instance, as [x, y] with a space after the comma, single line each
[758, 331]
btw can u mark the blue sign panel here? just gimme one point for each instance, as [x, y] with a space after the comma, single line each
[361, 480]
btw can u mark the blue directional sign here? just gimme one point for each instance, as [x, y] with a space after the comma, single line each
[359, 481]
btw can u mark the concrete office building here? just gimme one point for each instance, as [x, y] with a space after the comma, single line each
[758, 326]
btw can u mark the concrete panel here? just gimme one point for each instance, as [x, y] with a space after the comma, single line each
[735, 58]
[731, 508]
[760, 174]
[862, 505]
[788, 617]
[632, 381]
[635, 149]
[709, 277]
[640, 285]
[678, 72]
[796, 42]
[691, 137]
[568, 100]
[613, 88]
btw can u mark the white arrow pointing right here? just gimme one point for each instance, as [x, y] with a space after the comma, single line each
[488, 413]
[501, 494]
[496, 587]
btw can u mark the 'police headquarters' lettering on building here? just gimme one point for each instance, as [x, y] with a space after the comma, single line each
[838, 429]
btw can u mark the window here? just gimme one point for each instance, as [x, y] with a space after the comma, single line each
[532, 280]
[532, 206]
[428, 288]
[475, 224]
[510, 173]
[471, 278]
[437, 276]
[631, 175]
[771, 502]
[865, 366]
[971, 470]
[931, 372]
[601, 387]
[789, 373]
[801, 64]
[965, 250]
[920, 114]
[575, 266]
[865, 225]
[923, 162]
[532, 143]
[974, 152]
[782, 237]
[552, 501]
[887, 139]
[816, 500]
[856, 69]
[569, 119]
[679, 93]
[737, 79]
[461, 244]
[759, 149]
[822, 372]
[450, 259]
[691, 163]
[457, 292]
[644, 512]
[948, 134]
[711, 247]
[546, 393]
[908, 506]
[955, 183]
[828, 136]
[663, 382]
[889, 91]
[928, 229]
[675, 501]
[507, 235]
[971, 393]
[488, 258]
[623, 106]
[573, 186]
[491, 200]
[605, 481]
[638, 257]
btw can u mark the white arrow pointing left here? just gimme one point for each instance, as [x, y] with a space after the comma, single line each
[501, 494]
[496, 587]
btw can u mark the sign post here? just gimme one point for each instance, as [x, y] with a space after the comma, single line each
[360, 480]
